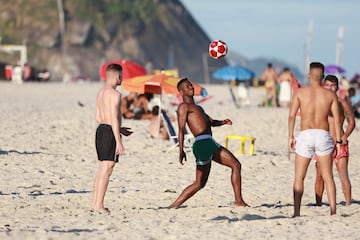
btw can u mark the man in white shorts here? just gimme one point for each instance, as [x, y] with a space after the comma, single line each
[312, 141]
[315, 104]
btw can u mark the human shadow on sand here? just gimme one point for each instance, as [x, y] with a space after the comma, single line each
[274, 205]
[268, 152]
[17, 152]
[246, 217]
[352, 202]
[71, 191]
[37, 193]
[12, 193]
[74, 230]
[342, 203]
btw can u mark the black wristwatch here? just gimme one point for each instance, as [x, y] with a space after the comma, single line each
[339, 142]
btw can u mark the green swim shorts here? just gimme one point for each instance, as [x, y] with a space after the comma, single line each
[204, 149]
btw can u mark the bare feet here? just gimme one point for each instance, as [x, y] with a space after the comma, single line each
[101, 211]
[241, 204]
[173, 205]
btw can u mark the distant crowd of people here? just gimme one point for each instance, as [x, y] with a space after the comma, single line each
[19, 74]
[279, 89]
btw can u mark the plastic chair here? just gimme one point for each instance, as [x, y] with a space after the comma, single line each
[243, 140]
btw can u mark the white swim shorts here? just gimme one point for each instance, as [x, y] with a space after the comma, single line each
[312, 141]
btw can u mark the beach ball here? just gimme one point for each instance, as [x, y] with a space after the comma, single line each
[217, 49]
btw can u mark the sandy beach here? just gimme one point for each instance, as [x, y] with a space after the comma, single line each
[48, 163]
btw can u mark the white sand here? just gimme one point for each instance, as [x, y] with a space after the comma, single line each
[48, 163]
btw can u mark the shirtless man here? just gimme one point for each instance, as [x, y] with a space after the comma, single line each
[205, 148]
[315, 104]
[269, 76]
[108, 140]
[331, 82]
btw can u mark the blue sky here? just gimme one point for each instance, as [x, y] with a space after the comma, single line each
[278, 28]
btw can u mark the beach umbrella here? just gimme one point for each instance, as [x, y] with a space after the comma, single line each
[130, 69]
[229, 73]
[334, 69]
[158, 84]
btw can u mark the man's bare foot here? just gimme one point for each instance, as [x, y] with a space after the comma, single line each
[173, 206]
[241, 204]
[101, 211]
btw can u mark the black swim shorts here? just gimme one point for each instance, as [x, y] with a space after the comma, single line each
[105, 143]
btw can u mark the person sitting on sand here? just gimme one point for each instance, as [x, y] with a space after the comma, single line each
[135, 106]
[156, 130]
[204, 148]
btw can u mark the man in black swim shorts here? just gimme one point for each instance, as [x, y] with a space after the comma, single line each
[105, 143]
[108, 140]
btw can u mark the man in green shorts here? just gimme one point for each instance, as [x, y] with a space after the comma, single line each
[205, 148]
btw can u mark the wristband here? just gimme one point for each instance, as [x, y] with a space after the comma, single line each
[339, 142]
[216, 123]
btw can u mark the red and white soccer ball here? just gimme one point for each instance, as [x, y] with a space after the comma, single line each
[217, 49]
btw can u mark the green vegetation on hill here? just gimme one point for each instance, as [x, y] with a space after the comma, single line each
[41, 15]
[161, 31]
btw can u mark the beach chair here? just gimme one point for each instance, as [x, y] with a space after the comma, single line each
[188, 137]
[233, 97]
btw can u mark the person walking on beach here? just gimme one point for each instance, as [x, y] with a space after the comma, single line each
[108, 140]
[204, 148]
[331, 82]
[315, 104]
[269, 76]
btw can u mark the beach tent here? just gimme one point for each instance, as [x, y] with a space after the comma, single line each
[129, 69]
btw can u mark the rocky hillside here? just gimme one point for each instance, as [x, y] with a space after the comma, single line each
[77, 36]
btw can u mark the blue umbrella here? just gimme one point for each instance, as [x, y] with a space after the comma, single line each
[334, 69]
[237, 72]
